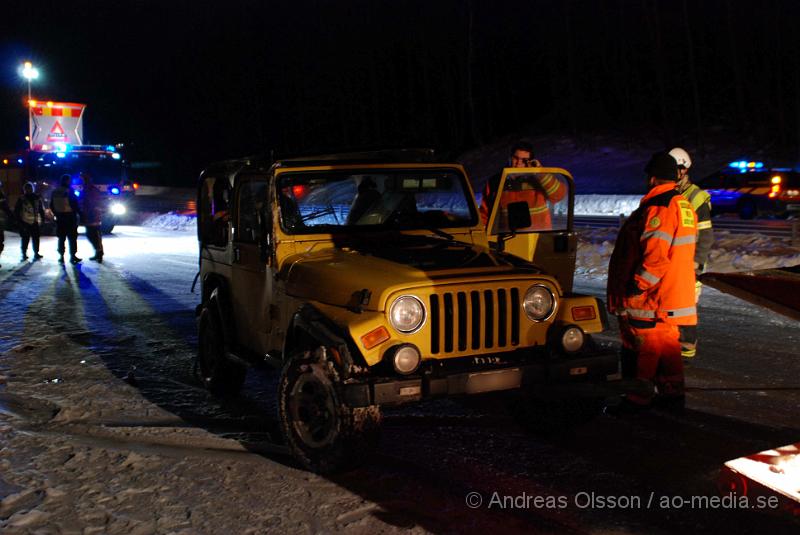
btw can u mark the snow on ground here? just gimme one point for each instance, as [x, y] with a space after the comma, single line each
[83, 452]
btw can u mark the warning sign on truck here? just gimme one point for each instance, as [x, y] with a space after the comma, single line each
[56, 122]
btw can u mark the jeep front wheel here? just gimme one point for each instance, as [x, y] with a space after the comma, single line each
[324, 434]
[219, 375]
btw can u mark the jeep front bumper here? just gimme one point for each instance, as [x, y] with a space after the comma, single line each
[582, 376]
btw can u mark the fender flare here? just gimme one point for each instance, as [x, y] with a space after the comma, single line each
[309, 328]
[218, 302]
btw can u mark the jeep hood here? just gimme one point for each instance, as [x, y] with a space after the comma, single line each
[336, 276]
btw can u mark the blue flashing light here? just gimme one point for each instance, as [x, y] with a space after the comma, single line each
[115, 156]
[115, 191]
[111, 148]
[734, 164]
[19, 161]
[742, 165]
[61, 154]
[77, 193]
[759, 165]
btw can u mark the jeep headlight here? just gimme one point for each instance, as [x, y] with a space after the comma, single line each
[407, 314]
[539, 303]
[572, 339]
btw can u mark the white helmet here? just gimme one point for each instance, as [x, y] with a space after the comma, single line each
[682, 157]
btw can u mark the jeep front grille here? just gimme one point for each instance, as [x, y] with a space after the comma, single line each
[474, 320]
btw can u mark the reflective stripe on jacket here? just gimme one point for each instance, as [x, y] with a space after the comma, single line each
[548, 188]
[654, 252]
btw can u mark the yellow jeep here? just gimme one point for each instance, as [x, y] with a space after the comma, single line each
[369, 280]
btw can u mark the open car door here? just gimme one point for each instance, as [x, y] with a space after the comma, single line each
[549, 241]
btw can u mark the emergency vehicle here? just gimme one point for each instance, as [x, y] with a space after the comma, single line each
[750, 188]
[56, 149]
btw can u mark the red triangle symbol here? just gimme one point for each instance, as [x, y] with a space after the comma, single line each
[57, 133]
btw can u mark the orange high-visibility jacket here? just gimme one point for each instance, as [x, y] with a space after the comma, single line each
[654, 252]
[547, 188]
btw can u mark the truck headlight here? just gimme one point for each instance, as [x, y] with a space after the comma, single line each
[539, 303]
[407, 314]
[118, 208]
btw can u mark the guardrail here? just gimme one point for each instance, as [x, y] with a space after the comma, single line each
[778, 228]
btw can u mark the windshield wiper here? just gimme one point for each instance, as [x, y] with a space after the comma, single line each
[441, 233]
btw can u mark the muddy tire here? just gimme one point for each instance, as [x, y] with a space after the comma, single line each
[553, 416]
[324, 434]
[219, 375]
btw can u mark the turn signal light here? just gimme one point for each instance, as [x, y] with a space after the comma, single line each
[375, 337]
[583, 313]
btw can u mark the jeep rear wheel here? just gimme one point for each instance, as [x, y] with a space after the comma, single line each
[324, 434]
[552, 416]
[219, 375]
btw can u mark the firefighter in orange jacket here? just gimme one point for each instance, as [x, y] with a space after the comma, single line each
[535, 191]
[651, 281]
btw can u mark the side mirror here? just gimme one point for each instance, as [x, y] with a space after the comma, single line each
[519, 215]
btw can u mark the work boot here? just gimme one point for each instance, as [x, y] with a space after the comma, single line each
[37, 256]
[74, 260]
[97, 258]
[24, 257]
[61, 259]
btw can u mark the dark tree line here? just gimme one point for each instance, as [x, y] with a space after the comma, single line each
[190, 82]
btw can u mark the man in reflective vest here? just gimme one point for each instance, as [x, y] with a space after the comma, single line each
[29, 213]
[65, 207]
[701, 203]
[651, 284]
[535, 191]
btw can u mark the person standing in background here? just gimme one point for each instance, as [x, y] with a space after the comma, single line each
[701, 203]
[65, 207]
[92, 216]
[29, 212]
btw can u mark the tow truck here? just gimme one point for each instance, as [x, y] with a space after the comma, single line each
[752, 188]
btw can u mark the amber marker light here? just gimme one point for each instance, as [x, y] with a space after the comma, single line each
[583, 313]
[375, 337]
[776, 179]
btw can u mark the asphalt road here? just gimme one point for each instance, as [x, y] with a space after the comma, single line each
[444, 468]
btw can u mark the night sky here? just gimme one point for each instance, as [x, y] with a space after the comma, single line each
[187, 83]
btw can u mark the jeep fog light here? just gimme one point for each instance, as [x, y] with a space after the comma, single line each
[407, 314]
[405, 358]
[572, 339]
[539, 303]
[118, 208]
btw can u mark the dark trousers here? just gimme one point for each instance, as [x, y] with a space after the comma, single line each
[67, 230]
[29, 233]
[95, 237]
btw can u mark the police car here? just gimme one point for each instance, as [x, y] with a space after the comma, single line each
[750, 188]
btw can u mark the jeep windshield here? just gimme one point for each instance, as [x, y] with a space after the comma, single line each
[319, 202]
